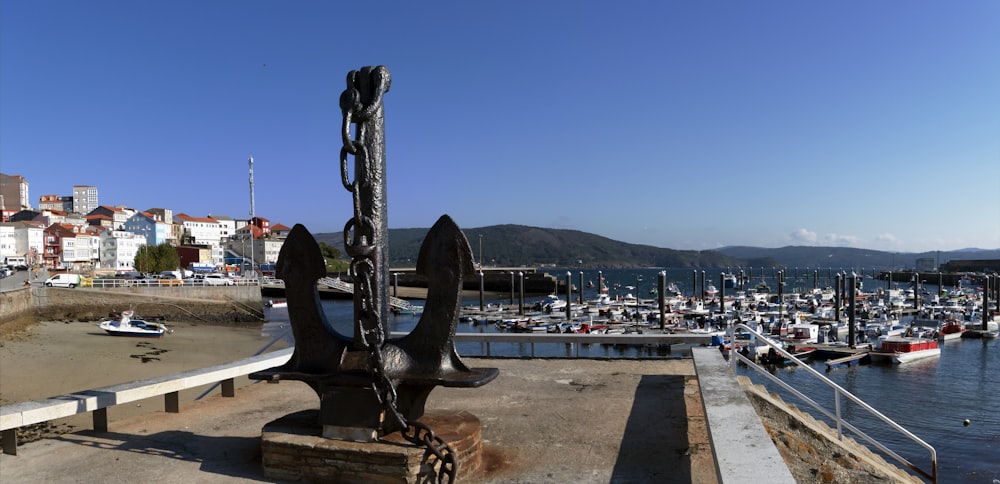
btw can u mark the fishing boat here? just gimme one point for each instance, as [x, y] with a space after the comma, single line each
[126, 324]
[901, 349]
[772, 357]
[802, 352]
[281, 303]
[551, 303]
[950, 329]
[803, 333]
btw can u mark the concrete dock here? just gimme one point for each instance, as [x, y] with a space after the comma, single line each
[543, 421]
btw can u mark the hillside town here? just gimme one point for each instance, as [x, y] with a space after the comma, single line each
[76, 233]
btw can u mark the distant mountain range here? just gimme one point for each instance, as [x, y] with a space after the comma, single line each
[519, 245]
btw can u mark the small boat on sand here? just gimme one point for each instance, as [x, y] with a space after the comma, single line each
[125, 324]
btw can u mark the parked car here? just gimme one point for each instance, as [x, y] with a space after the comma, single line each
[218, 280]
[167, 279]
[63, 280]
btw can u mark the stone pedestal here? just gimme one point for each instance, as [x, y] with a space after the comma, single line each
[293, 449]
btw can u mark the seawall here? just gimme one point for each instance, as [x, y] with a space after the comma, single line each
[214, 304]
[15, 306]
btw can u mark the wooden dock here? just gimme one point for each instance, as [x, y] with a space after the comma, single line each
[857, 357]
[836, 355]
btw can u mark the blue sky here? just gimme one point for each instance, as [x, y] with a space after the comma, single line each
[678, 124]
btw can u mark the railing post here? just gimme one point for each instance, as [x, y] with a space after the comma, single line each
[10, 441]
[836, 404]
[229, 387]
[172, 402]
[101, 419]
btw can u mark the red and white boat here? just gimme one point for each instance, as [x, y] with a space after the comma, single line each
[901, 349]
[950, 329]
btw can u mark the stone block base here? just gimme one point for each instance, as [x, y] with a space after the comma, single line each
[292, 449]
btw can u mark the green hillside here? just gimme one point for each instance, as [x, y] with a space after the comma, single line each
[520, 245]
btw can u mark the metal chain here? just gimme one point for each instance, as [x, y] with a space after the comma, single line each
[360, 244]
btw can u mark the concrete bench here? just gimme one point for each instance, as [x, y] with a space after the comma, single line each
[98, 400]
[743, 449]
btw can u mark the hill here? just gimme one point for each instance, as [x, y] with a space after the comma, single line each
[520, 245]
[847, 257]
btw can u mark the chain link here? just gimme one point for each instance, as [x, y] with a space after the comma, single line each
[360, 244]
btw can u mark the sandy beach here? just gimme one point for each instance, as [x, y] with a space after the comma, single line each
[56, 358]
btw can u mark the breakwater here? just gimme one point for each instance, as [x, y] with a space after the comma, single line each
[213, 304]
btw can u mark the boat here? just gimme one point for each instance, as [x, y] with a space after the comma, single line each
[901, 349]
[801, 352]
[730, 281]
[551, 303]
[803, 333]
[950, 329]
[281, 303]
[772, 357]
[126, 324]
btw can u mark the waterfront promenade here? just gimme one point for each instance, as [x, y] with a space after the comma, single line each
[543, 421]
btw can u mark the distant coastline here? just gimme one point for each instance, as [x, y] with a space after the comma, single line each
[516, 245]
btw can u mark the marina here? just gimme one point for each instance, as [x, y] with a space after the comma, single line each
[624, 326]
[946, 400]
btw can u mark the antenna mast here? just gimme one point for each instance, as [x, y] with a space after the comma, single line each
[252, 223]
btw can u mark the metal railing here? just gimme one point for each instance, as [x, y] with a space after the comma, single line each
[838, 392]
[576, 339]
[340, 285]
[192, 282]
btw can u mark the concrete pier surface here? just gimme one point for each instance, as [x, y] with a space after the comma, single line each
[560, 420]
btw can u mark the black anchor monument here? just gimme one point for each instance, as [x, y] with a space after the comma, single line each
[373, 388]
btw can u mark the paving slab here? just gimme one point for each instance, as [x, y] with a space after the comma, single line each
[556, 420]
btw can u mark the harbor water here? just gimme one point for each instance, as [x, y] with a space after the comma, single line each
[951, 402]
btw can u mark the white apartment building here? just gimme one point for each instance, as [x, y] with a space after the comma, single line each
[22, 239]
[8, 241]
[227, 225]
[118, 249]
[204, 231]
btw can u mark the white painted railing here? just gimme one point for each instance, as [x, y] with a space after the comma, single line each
[193, 282]
[98, 400]
[838, 392]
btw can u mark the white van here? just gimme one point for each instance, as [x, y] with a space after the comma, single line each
[63, 280]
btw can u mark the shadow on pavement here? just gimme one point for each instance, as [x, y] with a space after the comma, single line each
[655, 444]
[227, 456]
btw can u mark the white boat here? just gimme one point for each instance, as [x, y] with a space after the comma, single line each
[551, 303]
[904, 350]
[802, 333]
[281, 303]
[950, 329]
[127, 325]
